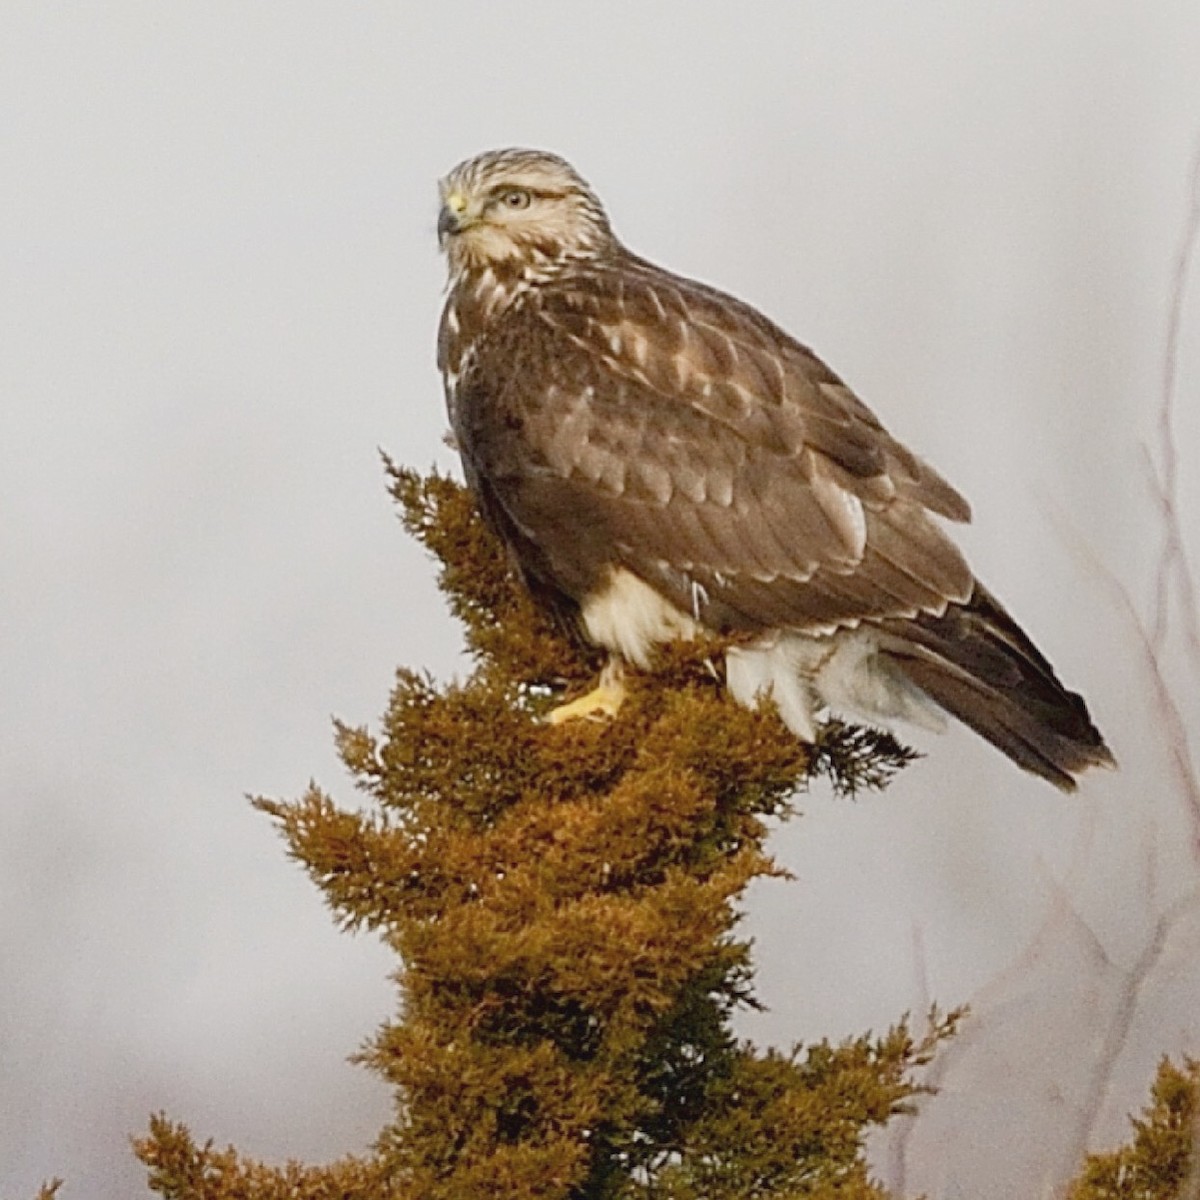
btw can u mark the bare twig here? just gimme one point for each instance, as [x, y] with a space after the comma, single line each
[1162, 700]
[921, 968]
[1173, 560]
[897, 1146]
[987, 1000]
[1173, 581]
[1174, 600]
[1128, 998]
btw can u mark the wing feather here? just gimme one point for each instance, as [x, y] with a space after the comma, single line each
[703, 449]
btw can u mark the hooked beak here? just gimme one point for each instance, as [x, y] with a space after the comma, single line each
[453, 217]
[447, 223]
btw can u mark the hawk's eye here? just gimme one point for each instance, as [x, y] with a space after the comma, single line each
[515, 198]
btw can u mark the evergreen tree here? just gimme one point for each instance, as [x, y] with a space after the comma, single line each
[563, 903]
[1160, 1163]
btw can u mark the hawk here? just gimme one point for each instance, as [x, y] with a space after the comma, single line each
[660, 459]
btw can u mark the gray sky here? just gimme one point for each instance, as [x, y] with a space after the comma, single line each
[219, 292]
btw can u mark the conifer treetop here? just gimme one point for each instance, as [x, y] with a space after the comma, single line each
[564, 903]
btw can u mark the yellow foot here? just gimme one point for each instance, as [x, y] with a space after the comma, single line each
[604, 700]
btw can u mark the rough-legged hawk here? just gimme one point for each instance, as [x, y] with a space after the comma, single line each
[660, 458]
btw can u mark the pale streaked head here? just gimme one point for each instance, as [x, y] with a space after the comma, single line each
[515, 206]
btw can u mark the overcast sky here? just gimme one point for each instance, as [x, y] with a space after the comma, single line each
[219, 285]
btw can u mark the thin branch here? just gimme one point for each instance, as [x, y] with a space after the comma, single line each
[1173, 559]
[897, 1146]
[1162, 701]
[1128, 1001]
[1087, 938]
[987, 1000]
[921, 968]
[1173, 580]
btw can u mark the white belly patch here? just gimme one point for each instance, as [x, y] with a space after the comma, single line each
[842, 671]
[802, 674]
[629, 618]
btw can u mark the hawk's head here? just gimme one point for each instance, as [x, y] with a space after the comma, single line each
[518, 207]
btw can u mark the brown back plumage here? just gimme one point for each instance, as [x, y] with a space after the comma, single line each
[614, 416]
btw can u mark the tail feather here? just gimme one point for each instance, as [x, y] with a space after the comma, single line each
[978, 664]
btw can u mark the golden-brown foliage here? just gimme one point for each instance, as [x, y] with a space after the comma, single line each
[1161, 1158]
[562, 900]
[182, 1170]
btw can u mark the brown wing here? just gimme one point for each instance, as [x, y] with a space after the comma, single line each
[626, 417]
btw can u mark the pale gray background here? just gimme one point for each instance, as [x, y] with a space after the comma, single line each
[219, 293]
